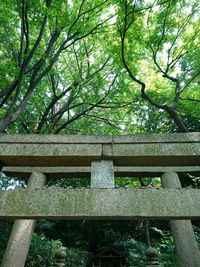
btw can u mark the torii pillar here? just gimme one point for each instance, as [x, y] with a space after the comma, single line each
[20, 237]
[186, 247]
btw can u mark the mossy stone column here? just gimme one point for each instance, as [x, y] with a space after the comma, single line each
[20, 237]
[186, 247]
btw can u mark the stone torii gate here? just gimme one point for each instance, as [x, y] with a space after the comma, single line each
[43, 156]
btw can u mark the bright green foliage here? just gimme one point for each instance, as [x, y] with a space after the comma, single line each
[162, 60]
[77, 66]
[76, 257]
[42, 251]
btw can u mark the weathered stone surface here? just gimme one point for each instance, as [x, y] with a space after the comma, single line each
[85, 172]
[83, 154]
[45, 150]
[186, 247]
[18, 245]
[20, 237]
[59, 259]
[54, 139]
[156, 171]
[27, 150]
[49, 154]
[51, 172]
[78, 139]
[57, 203]
[152, 257]
[177, 149]
[102, 174]
[157, 138]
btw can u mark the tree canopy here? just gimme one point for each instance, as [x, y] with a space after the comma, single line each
[116, 64]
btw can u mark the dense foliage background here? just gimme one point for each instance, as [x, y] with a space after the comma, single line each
[99, 67]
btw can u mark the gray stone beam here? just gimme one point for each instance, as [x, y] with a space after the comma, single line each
[77, 139]
[157, 154]
[49, 154]
[84, 172]
[166, 154]
[57, 203]
[48, 150]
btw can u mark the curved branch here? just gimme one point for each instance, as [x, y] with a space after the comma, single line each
[132, 76]
[170, 109]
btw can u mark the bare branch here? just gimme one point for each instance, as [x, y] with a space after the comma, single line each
[179, 32]
[191, 80]
[81, 14]
[22, 36]
[189, 99]
[182, 52]
[105, 120]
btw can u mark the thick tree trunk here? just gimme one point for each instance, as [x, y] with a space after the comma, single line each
[186, 247]
[181, 126]
[20, 238]
[3, 124]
